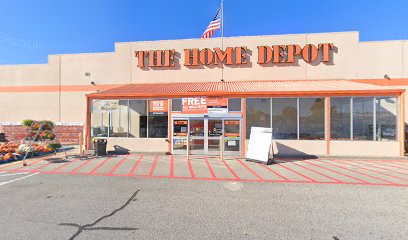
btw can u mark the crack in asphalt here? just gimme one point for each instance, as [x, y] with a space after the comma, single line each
[89, 227]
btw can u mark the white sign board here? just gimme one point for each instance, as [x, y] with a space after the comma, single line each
[218, 110]
[259, 145]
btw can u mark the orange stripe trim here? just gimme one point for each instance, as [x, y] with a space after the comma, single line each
[384, 82]
[56, 88]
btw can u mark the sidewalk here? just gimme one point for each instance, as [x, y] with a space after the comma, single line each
[352, 171]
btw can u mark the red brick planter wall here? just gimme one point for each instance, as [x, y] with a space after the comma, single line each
[65, 134]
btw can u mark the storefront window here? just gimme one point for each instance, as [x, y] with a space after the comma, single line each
[386, 118]
[158, 120]
[340, 113]
[158, 126]
[176, 105]
[258, 113]
[284, 118]
[119, 120]
[99, 124]
[101, 114]
[138, 118]
[129, 118]
[363, 122]
[234, 104]
[311, 118]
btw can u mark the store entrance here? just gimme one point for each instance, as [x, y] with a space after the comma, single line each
[205, 135]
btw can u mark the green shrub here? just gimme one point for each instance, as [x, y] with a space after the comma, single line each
[28, 122]
[49, 124]
[54, 146]
[45, 124]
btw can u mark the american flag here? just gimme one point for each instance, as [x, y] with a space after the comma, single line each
[215, 25]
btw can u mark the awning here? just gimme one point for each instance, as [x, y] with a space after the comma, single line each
[248, 88]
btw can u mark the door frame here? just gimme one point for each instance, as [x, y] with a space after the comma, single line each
[204, 137]
[208, 138]
[223, 118]
[173, 138]
[233, 153]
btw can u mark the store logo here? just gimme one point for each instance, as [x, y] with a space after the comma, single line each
[158, 107]
[275, 54]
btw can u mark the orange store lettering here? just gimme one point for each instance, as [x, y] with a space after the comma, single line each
[236, 55]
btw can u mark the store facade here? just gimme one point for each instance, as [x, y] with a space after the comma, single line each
[327, 117]
[322, 94]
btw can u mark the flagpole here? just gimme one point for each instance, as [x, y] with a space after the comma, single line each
[222, 17]
[222, 37]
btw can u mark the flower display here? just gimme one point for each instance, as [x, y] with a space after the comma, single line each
[40, 139]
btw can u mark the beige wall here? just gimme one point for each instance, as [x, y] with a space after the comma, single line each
[365, 148]
[337, 148]
[296, 147]
[30, 75]
[139, 144]
[16, 107]
[73, 107]
[352, 60]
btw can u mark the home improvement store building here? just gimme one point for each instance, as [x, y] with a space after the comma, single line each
[323, 94]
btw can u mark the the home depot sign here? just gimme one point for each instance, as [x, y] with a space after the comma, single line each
[236, 55]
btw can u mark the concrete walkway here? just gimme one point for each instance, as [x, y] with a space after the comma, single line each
[387, 172]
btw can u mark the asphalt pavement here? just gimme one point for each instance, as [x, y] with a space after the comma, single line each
[42, 206]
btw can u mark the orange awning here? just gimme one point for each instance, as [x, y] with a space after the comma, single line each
[249, 88]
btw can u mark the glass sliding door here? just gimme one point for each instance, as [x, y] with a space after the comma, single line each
[215, 131]
[180, 132]
[232, 136]
[205, 136]
[197, 136]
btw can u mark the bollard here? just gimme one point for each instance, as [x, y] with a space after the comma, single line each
[188, 146]
[81, 143]
[222, 147]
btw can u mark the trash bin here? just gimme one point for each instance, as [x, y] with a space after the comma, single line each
[100, 147]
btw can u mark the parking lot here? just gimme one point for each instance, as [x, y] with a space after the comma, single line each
[149, 196]
[386, 172]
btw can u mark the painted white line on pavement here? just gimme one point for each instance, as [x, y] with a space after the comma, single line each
[18, 179]
[12, 174]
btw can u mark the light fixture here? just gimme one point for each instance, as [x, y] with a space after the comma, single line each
[387, 77]
[87, 74]
[93, 83]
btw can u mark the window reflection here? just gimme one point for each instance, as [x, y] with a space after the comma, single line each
[311, 118]
[386, 118]
[363, 121]
[284, 118]
[340, 112]
[258, 113]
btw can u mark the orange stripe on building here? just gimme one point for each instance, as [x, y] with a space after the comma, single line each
[56, 88]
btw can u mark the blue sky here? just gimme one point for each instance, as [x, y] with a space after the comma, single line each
[30, 30]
